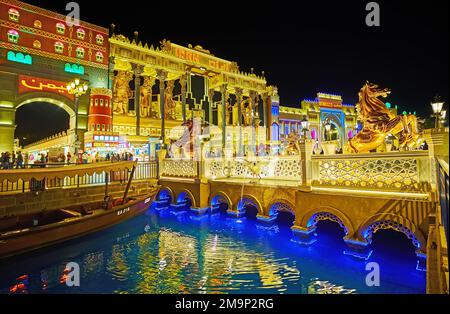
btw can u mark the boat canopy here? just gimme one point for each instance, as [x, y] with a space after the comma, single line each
[62, 172]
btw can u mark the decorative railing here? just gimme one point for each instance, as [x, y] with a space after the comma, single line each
[180, 168]
[281, 168]
[144, 171]
[395, 171]
[443, 193]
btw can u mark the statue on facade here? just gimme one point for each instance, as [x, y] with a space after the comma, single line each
[291, 144]
[169, 103]
[122, 92]
[146, 96]
[378, 121]
[247, 111]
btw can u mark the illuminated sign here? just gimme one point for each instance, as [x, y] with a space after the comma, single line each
[201, 59]
[36, 84]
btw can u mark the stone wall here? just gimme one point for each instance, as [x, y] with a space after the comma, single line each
[31, 202]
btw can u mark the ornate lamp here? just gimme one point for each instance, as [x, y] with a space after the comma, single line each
[437, 105]
[77, 89]
[305, 126]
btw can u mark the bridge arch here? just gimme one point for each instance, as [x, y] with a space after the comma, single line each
[182, 195]
[383, 221]
[249, 200]
[313, 216]
[281, 206]
[165, 192]
[58, 100]
[221, 198]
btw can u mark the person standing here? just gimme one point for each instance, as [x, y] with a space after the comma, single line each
[19, 160]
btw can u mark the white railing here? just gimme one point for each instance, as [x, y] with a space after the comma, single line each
[395, 171]
[281, 168]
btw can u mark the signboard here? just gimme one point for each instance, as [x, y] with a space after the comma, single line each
[35, 84]
[200, 58]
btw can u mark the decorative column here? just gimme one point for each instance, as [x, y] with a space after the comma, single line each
[238, 93]
[137, 69]
[210, 108]
[183, 82]
[253, 113]
[162, 76]
[223, 91]
[265, 104]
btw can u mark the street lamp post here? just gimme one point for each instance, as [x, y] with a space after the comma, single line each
[77, 89]
[437, 105]
[305, 126]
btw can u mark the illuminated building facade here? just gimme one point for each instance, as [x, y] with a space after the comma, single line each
[39, 55]
[325, 108]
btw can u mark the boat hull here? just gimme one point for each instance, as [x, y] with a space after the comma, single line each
[42, 236]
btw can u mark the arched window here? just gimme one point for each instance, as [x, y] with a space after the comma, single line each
[60, 28]
[13, 15]
[37, 24]
[101, 102]
[99, 39]
[275, 132]
[59, 47]
[37, 44]
[99, 56]
[80, 52]
[13, 36]
[80, 33]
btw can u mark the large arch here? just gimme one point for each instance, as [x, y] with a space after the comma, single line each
[182, 195]
[328, 213]
[395, 222]
[165, 191]
[281, 205]
[58, 100]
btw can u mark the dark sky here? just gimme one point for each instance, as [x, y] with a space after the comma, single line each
[303, 46]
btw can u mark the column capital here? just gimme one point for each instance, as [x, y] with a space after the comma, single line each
[161, 74]
[137, 69]
[223, 88]
[238, 91]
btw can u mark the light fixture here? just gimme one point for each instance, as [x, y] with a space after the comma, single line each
[437, 106]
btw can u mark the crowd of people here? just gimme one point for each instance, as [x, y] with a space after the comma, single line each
[13, 160]
[18, 160]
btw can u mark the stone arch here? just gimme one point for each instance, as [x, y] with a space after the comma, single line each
[165, 191]
[215, 200]
[311, 218]
[281, 205]
[395, 222]
[249, 200]
[187, 194]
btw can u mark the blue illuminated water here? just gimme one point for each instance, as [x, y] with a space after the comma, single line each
[163, 252]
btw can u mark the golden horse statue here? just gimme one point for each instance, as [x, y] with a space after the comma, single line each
[378, 121]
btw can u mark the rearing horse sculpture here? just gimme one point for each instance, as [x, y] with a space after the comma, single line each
[378, 121]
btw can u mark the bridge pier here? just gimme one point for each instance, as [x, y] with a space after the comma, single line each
[304, 236]
[358, 249]
[266, 221]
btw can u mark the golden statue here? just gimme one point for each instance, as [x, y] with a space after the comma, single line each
[169, 103]
[122, 92]
[378, 121]
[146, 96]
[247, 111]
[291, 145]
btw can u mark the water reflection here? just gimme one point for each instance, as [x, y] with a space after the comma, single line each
[163, 252]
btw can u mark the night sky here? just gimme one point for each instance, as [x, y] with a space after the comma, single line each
[303, 46]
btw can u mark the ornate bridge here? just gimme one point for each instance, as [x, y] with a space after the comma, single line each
[363, 193]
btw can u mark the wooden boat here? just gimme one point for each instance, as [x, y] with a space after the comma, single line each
[20, 234]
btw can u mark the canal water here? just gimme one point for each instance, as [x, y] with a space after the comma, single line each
[177, 252]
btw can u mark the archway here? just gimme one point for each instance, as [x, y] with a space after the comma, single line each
[186, 197]
[249, 206]
[166, 195]
[221, 202]
[283, 213]
[40, 118]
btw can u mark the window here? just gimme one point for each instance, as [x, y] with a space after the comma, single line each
[60, 28]
[13, 36]
[106, 102]
[99, 39]
[37, 44]
[80, 33]
[101, 102]
[96, 102]
[37, 24]
[13, 15]
[80, 52]
[98, 127]
[59, 47]
[103, 127]
[93, 127]
[99, 56]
